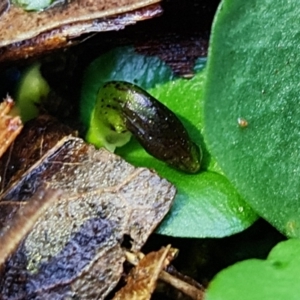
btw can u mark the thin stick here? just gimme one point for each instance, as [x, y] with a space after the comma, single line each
[182, 286]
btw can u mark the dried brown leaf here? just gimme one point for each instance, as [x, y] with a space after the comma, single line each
[75, 246]
[182, 284]
[10, 126]
[38, 136]
[142, 280]
[24, 34]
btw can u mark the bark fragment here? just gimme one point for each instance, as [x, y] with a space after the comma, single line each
[10, 126]
[38, 137]
[24, 34]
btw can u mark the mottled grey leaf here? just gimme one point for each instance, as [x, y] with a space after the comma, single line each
[75, 246]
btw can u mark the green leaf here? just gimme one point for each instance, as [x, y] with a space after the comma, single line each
[274, 278]
[206, 204]
[33, 4]
[253, 74]
[31, 90]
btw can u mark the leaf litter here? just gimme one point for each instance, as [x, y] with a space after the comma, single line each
[38, 137]
[150, 268]
[142, 280]
[74, 245]
[24, 34]
[10, 126]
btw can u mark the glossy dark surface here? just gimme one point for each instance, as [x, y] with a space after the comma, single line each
[154, 125]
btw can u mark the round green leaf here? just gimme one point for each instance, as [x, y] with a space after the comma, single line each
[32, 89]
[206, 204]
[274, 278]
[252, 123]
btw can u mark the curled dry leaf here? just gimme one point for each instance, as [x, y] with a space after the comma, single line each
[38, 137]
[10, 126]
[74, 248]
[141, 281]
[24, 34]
[182, 284]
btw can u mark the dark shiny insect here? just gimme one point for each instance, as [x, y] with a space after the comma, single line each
[124, 106]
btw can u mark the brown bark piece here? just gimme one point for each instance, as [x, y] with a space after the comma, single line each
[24, 34]
[38, 136]
[10, 126]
